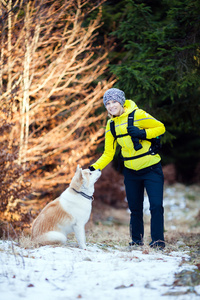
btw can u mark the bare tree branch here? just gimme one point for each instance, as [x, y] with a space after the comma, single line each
[53, 67]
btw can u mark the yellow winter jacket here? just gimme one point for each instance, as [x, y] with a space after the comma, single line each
[142, 120]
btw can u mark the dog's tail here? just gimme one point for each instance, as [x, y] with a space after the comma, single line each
[51, 237]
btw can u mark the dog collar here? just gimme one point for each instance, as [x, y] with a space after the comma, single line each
[84, 195]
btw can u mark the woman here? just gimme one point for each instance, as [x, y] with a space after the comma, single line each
[142, 168]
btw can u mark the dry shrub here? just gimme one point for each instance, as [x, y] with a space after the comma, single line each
[189, 239]
[170, 174]
[51, 83]
[13, 185]
[198, 217]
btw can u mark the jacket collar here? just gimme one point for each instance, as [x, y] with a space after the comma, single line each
[129, 106]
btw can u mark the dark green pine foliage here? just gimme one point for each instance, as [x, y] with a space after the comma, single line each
[159, 67]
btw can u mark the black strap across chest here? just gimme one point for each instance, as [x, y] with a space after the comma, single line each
[130, 123]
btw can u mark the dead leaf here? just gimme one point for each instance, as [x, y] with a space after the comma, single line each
[198, 266]
[124, 286]
[145, 251]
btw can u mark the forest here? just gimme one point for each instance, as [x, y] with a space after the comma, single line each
[57, 60]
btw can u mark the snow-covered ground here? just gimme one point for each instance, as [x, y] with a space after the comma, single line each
[100, 272]
[70, 273]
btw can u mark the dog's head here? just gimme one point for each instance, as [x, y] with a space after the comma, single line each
[84, 180]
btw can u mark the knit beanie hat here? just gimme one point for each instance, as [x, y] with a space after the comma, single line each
[114, 94]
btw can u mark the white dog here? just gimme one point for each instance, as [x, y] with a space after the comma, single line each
[68, 213]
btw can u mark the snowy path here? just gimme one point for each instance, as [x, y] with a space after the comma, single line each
[54, 273]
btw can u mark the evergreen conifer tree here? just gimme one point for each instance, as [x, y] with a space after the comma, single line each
[159, 67]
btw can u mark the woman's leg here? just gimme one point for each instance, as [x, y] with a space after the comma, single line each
[135, 197]
[154, 181]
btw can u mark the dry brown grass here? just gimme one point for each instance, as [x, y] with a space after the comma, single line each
[114, 236]
[109, 227]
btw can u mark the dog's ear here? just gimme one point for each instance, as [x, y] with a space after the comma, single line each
[79, 173]
[77, 180]
[78, 169]
[85, 176]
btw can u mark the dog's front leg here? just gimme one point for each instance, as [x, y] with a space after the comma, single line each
[79, 231]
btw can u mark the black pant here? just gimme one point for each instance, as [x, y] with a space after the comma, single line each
[152, 180]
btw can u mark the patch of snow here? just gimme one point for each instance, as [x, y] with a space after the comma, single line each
[50, 273]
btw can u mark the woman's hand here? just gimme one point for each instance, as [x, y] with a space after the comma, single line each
[91, 168]
[136, 132]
